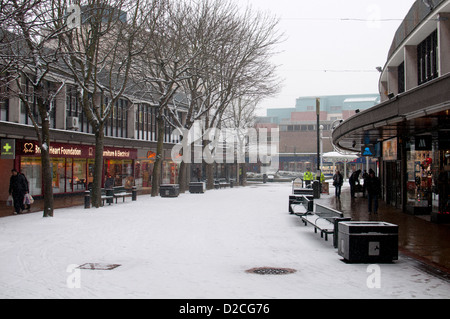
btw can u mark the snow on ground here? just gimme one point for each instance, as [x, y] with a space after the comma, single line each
[195, 246]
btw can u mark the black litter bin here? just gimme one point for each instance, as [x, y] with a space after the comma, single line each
[169, 190]
[316, 189]
[368, 242]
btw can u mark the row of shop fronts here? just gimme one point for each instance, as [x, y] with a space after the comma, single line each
[411, 125]
[415, 173]
[73, 165]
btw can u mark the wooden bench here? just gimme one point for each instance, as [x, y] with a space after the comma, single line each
[323, 219]
[301, 204]
[120, 191]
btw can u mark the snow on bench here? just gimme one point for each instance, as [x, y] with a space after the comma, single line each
[323, 219]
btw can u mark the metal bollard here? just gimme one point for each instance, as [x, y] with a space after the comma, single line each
[134, 193]
[87, 199]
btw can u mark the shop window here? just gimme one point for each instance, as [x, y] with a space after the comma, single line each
[69, 177]
[79, 175]
[58, 168]
[421, 170]
[121, 171]
[31, 167]
[170, 172]
[143, 174]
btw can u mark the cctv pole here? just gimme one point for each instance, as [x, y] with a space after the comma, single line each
[318, 134]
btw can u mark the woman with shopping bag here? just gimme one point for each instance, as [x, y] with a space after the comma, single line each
[18, 188]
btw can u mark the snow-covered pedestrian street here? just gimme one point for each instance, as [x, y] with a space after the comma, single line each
[192, 247]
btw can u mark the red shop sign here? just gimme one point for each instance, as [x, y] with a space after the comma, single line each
[31, 148]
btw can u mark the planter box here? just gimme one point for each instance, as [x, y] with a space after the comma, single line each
[197, 187]
[368, 242]
[169, 190]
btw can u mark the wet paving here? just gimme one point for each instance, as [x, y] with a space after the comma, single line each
[419, 239]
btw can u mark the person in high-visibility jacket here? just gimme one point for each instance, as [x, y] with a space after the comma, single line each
[322, 178]
[308, 177]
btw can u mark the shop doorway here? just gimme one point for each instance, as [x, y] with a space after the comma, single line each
[392, 183]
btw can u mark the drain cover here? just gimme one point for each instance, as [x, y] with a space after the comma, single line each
[95, 266]
[271, 271]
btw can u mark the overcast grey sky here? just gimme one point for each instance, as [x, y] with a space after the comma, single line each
[337, 36]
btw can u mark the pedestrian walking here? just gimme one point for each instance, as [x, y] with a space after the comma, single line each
[373, 191]
[18, 187]
[338, 181]
[354, 178]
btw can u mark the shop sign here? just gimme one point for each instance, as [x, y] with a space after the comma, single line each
[8, 149]
[31, 148]
[424, 143]
[390, 151]
[368, 150]
[63, 151]
[116, 153]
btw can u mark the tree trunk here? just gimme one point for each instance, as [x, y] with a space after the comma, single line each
[96, 195]
[46, 170]
[182, 177]
[44, 140]
[209, 171]
[156, 176]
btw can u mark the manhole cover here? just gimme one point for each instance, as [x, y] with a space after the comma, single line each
[95, 266]
[271, 271]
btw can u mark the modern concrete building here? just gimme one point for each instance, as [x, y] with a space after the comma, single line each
[409, 131]
[298, 126]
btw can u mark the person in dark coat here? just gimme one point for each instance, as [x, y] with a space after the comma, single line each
[109, 182]
[18, 187]
[338, 181]
[373, 191]
[354, 178]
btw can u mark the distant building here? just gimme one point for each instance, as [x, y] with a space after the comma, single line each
[298, 126]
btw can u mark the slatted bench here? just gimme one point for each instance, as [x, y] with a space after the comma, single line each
[121, 192]
[106, 195]
[323, 219]
[301, 204]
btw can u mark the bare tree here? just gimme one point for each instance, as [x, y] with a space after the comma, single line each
[242, 67]
[98, 56]
[160, 70]
[230, 53]
[26, 63]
